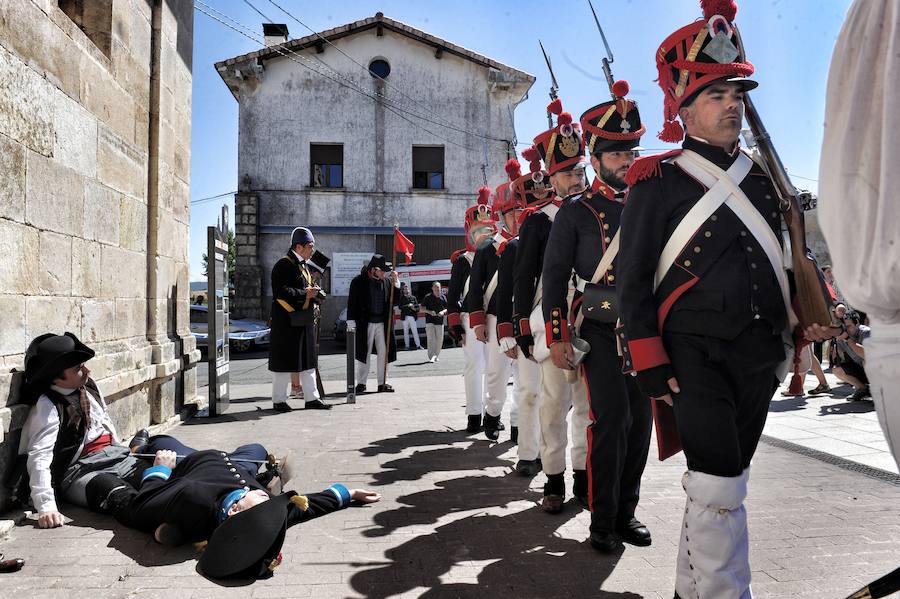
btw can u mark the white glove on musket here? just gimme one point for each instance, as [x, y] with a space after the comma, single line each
[351, 324]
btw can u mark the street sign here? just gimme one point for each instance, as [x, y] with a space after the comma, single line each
[217, 354]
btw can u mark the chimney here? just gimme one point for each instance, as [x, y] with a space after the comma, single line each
[275, 33]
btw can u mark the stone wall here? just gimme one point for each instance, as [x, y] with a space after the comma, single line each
[94, 199]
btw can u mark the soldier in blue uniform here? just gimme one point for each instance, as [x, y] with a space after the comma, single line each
[478, 227]
[562, 150]
[702, 228]
[584, 239]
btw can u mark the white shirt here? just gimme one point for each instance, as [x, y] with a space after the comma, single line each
[39, 437]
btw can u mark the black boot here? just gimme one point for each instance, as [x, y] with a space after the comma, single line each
[580, 487]
[554, 493]
[474, 424]
[634, 532]
[514, 434]
[108, 494]
[491, 427]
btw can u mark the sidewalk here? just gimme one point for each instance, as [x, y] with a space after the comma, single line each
[455, 521]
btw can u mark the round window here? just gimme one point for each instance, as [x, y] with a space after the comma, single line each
[379, 68]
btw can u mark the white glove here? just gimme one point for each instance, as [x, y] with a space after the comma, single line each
[351, 324]
[507, 343]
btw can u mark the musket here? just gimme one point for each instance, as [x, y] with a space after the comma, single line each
[553, 85]
[813, 300]
[609, 55]
[884, 586]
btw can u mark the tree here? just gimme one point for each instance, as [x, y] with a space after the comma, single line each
[229, 262]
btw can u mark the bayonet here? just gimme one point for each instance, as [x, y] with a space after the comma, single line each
[553, 85]
[609, 55]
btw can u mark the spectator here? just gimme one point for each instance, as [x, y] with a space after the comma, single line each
[435, 305]
[370, 309]
[409, 313]
[853, 356]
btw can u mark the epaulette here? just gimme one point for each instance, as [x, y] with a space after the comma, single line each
[648, 166]
[456, 255]
[526, 213]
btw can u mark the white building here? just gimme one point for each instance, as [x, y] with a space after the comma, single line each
[325, 144]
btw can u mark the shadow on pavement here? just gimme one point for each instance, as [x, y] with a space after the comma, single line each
[135, 544]
[524, 559]
[413, 439]
[847, 407]
[452, 496]
[787, 404]
[477, 456]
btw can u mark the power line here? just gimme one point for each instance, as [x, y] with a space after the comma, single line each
[237, 26]
[215, 197]
[259, 12]
[367, 70]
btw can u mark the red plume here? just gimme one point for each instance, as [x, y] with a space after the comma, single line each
[621, 88]
[484, 194]
[513, 169]
[564, 119]
[555, 107]
[531, 154]
[726, 8]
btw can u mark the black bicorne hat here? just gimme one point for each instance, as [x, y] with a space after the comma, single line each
[319, 261]
[248, 544]
[378, 261]
[49, 354]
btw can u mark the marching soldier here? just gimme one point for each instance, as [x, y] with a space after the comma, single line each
[481, 304]
[702, 228]
[584, 238]
[562, 150]
[479, 227]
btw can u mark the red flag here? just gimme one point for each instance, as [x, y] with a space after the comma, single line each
[403, 245]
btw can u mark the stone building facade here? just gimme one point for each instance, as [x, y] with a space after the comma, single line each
[95, 122]
[352, 163]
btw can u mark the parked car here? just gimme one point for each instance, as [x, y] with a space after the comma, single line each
[419, 278]
[244, 334]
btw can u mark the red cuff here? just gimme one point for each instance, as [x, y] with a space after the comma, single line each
[647, 353]
[505, 329]
[524, 326]
[453, 319]
[557, 329]
[476, 319]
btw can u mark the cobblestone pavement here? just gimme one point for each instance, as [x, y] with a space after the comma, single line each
[456, 522]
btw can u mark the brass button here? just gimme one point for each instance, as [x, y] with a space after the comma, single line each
[749, 249]
[606, 239]
[232, 470]
[696, 249]
[774, 215]
[611, 277]
[753, 265]
[237, 475]
[714, 218]
[768, 197]
[687, 262]
[743, 233]
[606, 225]
[755, 286]
[555, 331]
[707, 234]
[602, 215]
[243, 482]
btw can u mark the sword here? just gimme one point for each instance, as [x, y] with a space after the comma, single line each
[608, 60]
[553, 85]
[153, 455]
[884, 586]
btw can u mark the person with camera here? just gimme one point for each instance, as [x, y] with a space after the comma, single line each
[409, 313]
[292, 341]
[852, 356]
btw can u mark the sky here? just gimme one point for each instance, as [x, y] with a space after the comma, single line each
[790, 43]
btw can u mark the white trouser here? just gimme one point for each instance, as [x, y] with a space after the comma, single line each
[409, 323]
[282, 380]
[434, 336]
[514, 396]
[374, 336]
[527, 393]
[557, 396]
[476, 353]
[883, 369]
[497, 370]
[713, 551]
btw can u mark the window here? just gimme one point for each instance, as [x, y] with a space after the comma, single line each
[94, 18]
[379, 68]
[326, 165]
[428, 167]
